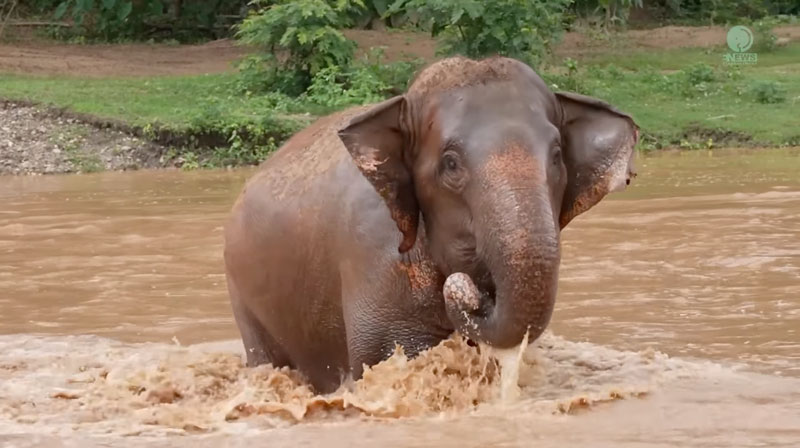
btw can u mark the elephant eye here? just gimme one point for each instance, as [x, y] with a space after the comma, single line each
[450, 161]
[451, 171]
[557, 156]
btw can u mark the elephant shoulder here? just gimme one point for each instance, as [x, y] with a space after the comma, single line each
[319, 137]
[308, 159]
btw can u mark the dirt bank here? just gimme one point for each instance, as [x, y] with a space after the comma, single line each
[99, 61]
[37, 141]
[36, 57]
[663, 38]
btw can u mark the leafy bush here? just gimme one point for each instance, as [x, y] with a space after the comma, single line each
[107, 19]
[699, 73]
[699, 79]
[396, 75]
[721, 11]
[764, 39]
[714, 11]
[768, 92]
[376, 15]
[366, 81]
[140, 19]
[259, 74]
[571, 81]
[614, 11]
[524, 29]
[297, 39]
[336, 88]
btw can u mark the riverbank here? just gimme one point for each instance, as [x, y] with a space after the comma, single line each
[190, 111]
[38, 140]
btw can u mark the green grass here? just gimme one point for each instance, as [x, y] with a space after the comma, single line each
[675, 59]
[171, 101]
[653, 88]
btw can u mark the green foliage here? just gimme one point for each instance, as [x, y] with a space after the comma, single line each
[334, 88]
[239, 152]
[764, 39]
[297, 39]
[189, 161]
[111, 20]
[376, 11]
[617, 11]
[366, 81]
[605, 12]
[572, 81]
[260, 74]
[723, 11]
[396, 76]
[699, 73]
[524, 29]
[107, 19]
[768, 92]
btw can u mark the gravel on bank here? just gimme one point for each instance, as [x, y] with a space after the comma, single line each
[34, 140]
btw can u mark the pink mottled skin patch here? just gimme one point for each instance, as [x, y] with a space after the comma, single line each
[459, 289]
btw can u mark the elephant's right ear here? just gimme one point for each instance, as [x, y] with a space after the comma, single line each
[377, 143]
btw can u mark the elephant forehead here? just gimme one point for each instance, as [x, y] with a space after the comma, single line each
[512, 165]
[456, 72]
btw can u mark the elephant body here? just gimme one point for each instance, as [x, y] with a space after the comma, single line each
[314, 274]
[401, 222]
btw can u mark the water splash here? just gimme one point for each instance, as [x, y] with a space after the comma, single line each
[99, 385]
[510, 363]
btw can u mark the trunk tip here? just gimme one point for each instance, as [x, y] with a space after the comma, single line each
[461, 291]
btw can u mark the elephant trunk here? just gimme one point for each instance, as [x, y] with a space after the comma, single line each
[522, 254]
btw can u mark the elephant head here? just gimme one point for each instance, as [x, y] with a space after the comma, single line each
[496, 164]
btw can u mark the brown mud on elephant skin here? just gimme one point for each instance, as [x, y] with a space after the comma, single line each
[422, 274]
[457, 72]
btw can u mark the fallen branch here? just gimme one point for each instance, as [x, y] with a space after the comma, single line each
[29, 23]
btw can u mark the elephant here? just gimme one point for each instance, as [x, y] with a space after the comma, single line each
[437, 211]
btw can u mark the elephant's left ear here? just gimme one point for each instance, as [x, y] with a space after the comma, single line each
[598, 149]
[377, 143]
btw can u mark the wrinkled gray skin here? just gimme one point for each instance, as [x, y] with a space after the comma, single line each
[436, 211]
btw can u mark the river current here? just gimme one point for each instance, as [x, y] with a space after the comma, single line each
[677, 324]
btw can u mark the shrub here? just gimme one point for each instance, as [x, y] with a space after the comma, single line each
[613, 11]
[768, 92]
[396, 75]
[336, 88]
[764, 39]
[366, 81]
[140, 19]
[298, 39]
[699, 79]
[699, 73]
[715, 11]
[259, 74]
[571, 81]
[524, 29]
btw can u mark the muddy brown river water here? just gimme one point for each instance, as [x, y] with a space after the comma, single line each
[677, 324]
